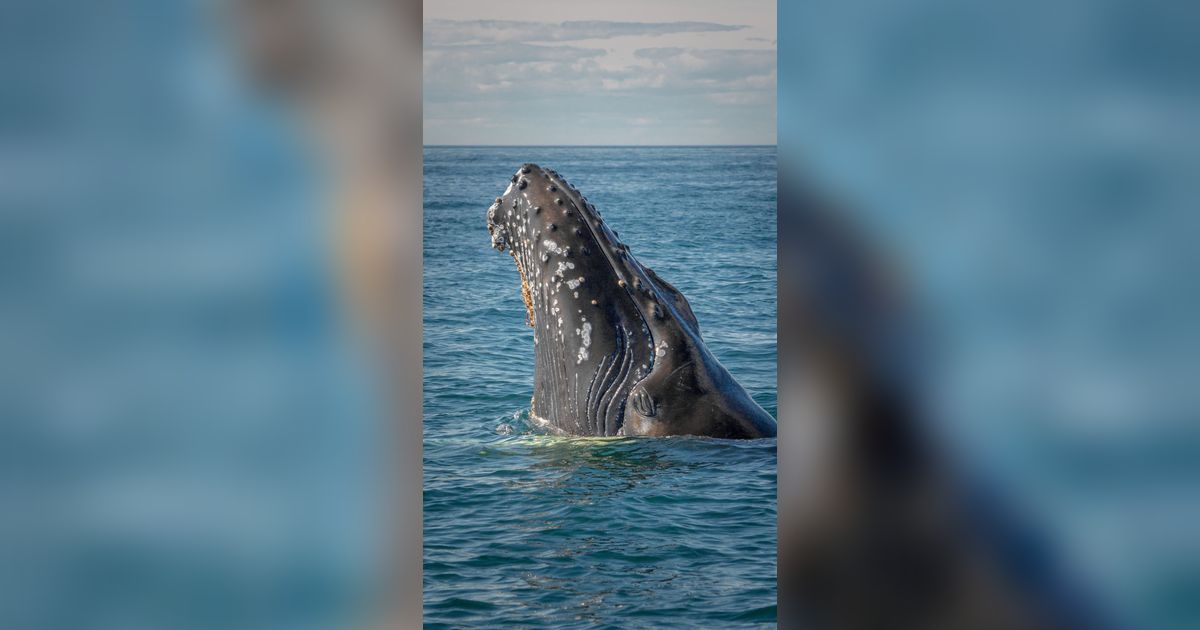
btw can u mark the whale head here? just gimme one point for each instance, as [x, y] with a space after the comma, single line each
[617, 349]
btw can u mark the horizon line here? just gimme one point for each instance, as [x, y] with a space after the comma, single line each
[588, 146]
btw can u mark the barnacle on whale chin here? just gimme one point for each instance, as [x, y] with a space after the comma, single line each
[525, 293]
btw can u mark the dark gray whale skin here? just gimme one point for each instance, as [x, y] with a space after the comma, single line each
[617, 349]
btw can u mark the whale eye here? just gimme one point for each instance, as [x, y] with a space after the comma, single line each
[522, 184]
[642, 402]
[552, 188]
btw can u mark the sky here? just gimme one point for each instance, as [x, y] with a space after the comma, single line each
[618, 72]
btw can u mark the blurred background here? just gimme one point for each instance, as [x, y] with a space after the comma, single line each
[1034, 170]
[195, 433]
[192, 426]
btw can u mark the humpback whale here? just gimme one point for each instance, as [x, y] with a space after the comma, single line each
[617, 349]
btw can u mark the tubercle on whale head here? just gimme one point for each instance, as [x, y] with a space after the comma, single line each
[544, 221]
[580, 221]
[501, 241]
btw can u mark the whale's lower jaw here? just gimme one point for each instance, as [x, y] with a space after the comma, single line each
[617, 350]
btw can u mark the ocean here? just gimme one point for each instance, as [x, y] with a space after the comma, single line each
[522, 528]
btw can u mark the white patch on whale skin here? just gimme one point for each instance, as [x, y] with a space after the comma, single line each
[552, 246]
[563, 266]
[574, 284]
[661, 351]
[585, 334]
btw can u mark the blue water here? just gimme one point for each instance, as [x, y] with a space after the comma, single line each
[535, 530]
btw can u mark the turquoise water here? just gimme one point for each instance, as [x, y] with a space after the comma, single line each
[533, 530]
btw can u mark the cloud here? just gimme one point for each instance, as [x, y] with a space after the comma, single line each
[513, 82]
[441, 121]
[535, 72]
[739, 98]
[479, 55]
[453, 32]
[453, 72]
[710, 69]
[744, 61]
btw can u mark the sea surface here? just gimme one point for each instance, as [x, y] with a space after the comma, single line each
[527, 529]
